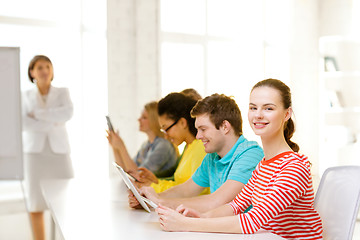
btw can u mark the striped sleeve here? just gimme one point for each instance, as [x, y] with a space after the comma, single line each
[290, 184]
[243, 200]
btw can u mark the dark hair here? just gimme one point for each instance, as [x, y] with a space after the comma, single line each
[285, 94]
[176, 106]
[32, 63]
[191, 93]
[220, 108]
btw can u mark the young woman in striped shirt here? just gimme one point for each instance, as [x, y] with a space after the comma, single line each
[280, 188]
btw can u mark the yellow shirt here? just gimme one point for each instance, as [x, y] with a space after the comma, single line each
[190, 161]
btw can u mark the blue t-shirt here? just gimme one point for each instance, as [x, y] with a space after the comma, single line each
[238, 164]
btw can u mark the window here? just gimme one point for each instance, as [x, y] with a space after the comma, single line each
[222, 46]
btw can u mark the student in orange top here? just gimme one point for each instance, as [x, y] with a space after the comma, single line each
[280, 188]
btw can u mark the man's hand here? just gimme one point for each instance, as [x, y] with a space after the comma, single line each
[150, 193]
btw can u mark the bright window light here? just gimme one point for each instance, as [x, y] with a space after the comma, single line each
[51, 10]
[182, 67]
[183, 16]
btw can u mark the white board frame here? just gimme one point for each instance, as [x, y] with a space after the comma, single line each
[11, 153]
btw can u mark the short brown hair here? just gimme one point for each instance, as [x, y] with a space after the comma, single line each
[32, 63]
[220, 107]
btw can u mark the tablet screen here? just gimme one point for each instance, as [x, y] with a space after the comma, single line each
[142, 200]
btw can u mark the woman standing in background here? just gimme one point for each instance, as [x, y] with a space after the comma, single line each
[45, 111]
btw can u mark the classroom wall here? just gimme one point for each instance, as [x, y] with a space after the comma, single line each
[304, 75]
[133, 75]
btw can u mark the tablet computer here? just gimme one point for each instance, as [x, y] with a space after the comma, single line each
[110, 126]
[142, 200]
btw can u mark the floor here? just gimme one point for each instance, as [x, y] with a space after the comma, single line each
[14, 220]
[22, 230]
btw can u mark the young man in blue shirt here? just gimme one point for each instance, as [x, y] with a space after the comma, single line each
[225, 169]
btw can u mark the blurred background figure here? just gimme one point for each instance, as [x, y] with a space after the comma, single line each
[191, 93]
[45, 111]
[156, 154]
[176, 122]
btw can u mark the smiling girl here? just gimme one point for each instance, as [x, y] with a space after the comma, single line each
[280, 188]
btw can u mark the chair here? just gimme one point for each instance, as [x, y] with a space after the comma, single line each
[337, 201]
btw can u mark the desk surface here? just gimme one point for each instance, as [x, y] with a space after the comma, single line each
[99, 210]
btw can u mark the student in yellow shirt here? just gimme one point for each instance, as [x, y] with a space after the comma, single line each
[176, 122]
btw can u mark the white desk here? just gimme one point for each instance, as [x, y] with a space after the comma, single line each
[99, 210]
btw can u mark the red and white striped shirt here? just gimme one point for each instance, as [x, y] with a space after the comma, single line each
[282, 196]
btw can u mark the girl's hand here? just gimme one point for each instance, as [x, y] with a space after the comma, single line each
[133, 202]
[31, 115]
[170, 220]
[146, 175]
[114, 139]
[188, 212]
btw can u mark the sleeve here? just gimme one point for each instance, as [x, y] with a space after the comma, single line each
[290, 184]
[201, 175]
[188, 164]
[162, 153]
[243, 200]
[32, 124]
[137, 159]
[59, 114]
[245, 164]
[197, 157]
[163, 185]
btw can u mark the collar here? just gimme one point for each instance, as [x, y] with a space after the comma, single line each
[233, 151]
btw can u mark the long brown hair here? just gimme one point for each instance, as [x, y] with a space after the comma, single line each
[152, 109]
[285, 94]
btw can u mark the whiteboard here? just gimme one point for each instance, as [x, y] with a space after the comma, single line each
[11, 164]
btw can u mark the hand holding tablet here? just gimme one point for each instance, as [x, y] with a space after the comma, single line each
[142, 200]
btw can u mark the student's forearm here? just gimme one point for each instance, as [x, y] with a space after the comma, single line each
[201, 203]
[129, 164]
[220, 211]
[118, 158]
[228, 224]
[178, 191]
